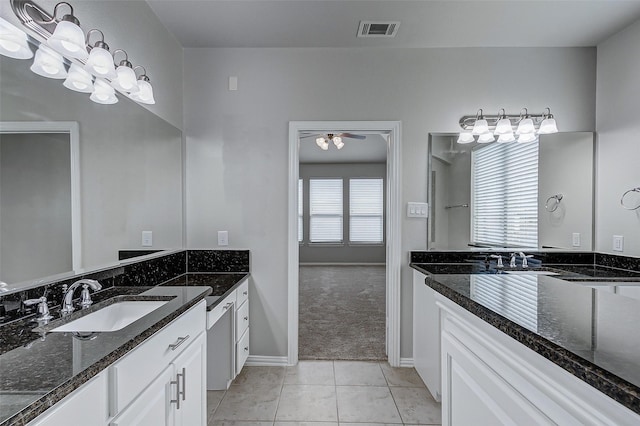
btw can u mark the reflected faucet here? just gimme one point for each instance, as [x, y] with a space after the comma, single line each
[524, 259]
[67, 300]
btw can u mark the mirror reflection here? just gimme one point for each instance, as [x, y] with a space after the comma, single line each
[530, 195]
[130, 178]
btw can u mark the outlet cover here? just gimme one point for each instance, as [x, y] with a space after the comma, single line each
[223, 238]
[576, 239]
[147, 239]
[618, 243]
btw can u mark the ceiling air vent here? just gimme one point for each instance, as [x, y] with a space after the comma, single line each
[378, 28]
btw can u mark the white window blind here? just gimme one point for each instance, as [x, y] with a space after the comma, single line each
[300, 210]
[325, 203]
[366, 211]
[505, 195]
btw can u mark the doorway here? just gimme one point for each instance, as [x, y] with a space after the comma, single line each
[391, 131]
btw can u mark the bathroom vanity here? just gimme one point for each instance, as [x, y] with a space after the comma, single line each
[536, 345]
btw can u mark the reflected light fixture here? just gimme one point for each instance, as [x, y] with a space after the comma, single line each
[526, 123]
[48, 63]
[145, 93]
[481, 126]
[13, 42]
[527, 137]
[466, 137]
[79, 80]
[125, 80]
[507, 137]
[100, 61]
[503, 126]
[486, 138]
[103, 93]
[548, 125]
[68, 37]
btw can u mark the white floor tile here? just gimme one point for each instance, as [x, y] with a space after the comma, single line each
[358, 373]
[416, 406]
[249, 403]
[308, 403]
[310, 373]
[401, 376]
[366, 404]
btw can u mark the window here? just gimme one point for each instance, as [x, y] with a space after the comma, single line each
[505, 195]
[325, 203]
[366, 211]
[300, 210]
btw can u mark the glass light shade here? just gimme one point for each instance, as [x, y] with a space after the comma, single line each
[68, 39]
[548, 126]
[339, 145]
[103, 93]
[13, 42]
[79, 80]
[48, 63]
[480, 127]
[503, 126]
[525, 126]
[527, 137]
[145, 94]
[100, 63]
[325, 146]
[337, 140]
[507, 137]
[486, 138]
[466, 137]
[320, 142]
[125, 80]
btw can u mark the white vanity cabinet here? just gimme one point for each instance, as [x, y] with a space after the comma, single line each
[426, 334]
[85, 406]
[228, 338]
[489, 378]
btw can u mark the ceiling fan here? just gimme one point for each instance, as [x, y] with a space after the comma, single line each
[322, 140]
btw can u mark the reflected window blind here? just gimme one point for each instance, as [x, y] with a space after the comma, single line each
[366, 211]
[300, 210]
[505, 195]
[516, 299]
[325, 203]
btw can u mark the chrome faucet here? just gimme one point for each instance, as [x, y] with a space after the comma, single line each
[512, 262]
[67, 299]
[524, 259]
[499, 257]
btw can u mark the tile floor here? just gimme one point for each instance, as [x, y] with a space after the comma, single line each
[324, 393]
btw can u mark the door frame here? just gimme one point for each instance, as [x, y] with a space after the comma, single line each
[392, 222]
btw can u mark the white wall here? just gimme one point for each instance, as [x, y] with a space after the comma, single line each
[237, 153]
[618, 147]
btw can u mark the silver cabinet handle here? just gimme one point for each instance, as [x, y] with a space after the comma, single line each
[246, 318]
[177, 383]
[178, 342]
[246, 348]
[184, 383]
[245, 292]
[228, 305]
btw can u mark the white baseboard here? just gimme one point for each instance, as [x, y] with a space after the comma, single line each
[266, 361]
[342, 264]
[406, 362]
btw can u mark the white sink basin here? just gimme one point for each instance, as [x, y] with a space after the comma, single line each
[531, 272]
[112, 317]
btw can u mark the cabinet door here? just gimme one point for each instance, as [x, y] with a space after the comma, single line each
[154, 406]
[87, 405]
[242, 351]
[426, 334]
[190, 371]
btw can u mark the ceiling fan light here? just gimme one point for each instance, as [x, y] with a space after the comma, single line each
[320, 141]
[507, 137]
[548, 126]
[526, 126]
[48, 63]
[337, 140]
[503, 126]
[79, 80]
[13, 42]
[527, 137]
[480, 127]
[340, 145]
[466, 137]
[486, 138]
[103, 93]
[68, 38]
[325, 146]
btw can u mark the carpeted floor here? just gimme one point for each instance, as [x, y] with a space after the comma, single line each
[342, 313]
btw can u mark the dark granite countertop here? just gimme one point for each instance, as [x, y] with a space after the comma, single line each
[38, 369]
[591, 333]
[221, 283]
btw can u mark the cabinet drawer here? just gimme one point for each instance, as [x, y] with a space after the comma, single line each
[131, 375]
[216, 313]
[243, 293]
[242, 351]
[242, 319]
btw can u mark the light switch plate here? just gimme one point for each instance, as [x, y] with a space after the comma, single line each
[417, 209]
[618, 243]
[576, 239]
[223, 238]
[147, 238]
[233, 83]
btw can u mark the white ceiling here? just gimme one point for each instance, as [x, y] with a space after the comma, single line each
[334, 23]
[373, 149]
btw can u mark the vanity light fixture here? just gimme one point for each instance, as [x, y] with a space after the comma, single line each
[503, 125]
[78, 79]
[125, 80]
[68, 37]
[13, 42]
[103, 93]
[100, 61]
[48, 63]
[145, 93]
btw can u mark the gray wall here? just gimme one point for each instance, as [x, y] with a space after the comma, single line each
[566, 167]
[618, 150]
[35, 206]
[237, 142]
[343, 253]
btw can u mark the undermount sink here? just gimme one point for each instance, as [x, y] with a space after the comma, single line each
[112, 317]
[531, 272]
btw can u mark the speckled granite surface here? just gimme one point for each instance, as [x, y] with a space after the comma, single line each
[218, 261]
[39, 373]
[593, 334]
[222, 284]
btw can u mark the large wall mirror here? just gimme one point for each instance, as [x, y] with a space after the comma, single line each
[538, 195]
[128, 175]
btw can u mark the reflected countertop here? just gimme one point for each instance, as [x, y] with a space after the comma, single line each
[591, 332]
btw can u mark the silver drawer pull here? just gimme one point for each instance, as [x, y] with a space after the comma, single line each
[177, 383]
[178, 342]
[227, 306]
[184, 383]
[246, 318]
[246, 348]
[245, 292]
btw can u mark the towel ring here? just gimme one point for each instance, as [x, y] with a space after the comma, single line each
[622, 199]
[558, 198]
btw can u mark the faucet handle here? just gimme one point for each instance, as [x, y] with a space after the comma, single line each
[43, 308]
[86, 296]
[499, 257]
